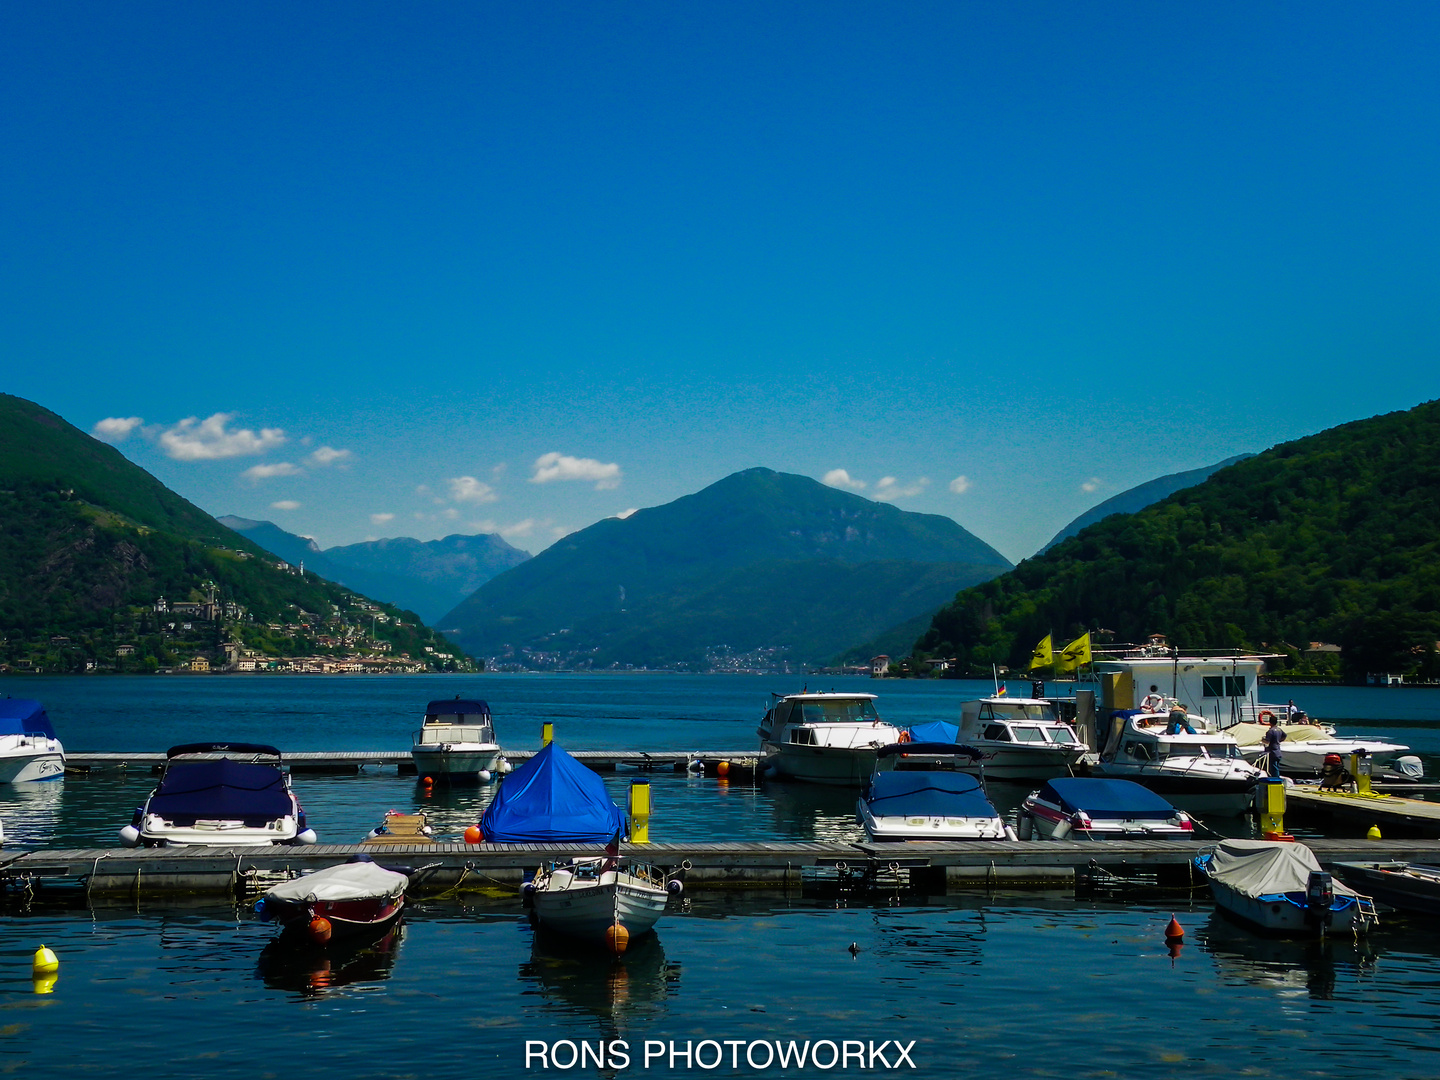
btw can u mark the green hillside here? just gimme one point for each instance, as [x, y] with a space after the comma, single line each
[1329, 538]
[91, 543]
[761, 563]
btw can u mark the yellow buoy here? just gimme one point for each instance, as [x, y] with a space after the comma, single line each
[1373, 833]
[45, 962]
[617, 938]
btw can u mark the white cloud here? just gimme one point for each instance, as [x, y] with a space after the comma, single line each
[423, 489]
[960, 485]
[256, 473]
[1093, 484]
[623, 514]
[888, 489]
[554, 466]
[520, 528]
[328, 455]
[514, 531]
[210, 439]
[839, 478]
[381, 519]
[450, 513]
[559, 532]
[285, 504]
[116, 428]
[468, 489]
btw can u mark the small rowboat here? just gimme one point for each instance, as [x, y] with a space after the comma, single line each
[347, 900]
[600, 901]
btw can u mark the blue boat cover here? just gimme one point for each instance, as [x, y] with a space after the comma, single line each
[224, 790]
[928, 794]
[935, 731]
[1106, 798]
[552, 799]
[457, 707]
[22, 716]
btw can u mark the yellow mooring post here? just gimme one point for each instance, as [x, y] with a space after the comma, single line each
[1270, 802]
[1360, 767]
[547, 733]
[639, 811]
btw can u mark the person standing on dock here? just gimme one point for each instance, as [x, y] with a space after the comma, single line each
[1273, 738]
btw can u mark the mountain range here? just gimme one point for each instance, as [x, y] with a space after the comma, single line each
[756, 570]
[1331, 538]
[427, 577]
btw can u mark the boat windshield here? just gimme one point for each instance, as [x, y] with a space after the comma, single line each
[837, 711]
[1017, 710]
[1220, 750]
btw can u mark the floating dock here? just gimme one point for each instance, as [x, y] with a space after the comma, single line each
[1389, 813]
[357, 761]
[435, 868]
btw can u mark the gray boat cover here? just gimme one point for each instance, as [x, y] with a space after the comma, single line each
[348, 881]
[1258, 868]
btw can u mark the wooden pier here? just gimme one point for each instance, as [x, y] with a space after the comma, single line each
[1389, 813]
[739, 763]
[500, 868]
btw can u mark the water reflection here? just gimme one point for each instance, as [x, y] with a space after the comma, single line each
[299, 966]
[812, 811]
[617, 991]
[1293, 967]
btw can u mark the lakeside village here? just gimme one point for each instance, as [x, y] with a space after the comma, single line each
[205, 634]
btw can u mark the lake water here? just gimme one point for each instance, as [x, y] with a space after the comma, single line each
[1009, 985]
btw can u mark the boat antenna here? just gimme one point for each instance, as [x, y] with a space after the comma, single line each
[995, 675]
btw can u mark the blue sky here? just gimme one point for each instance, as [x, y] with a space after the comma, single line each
[414, 269]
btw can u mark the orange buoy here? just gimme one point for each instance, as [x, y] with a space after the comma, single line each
[427, 780]
[617, 938]
[723, 769]
[473, 835]
[319, 929]
[1174, 930]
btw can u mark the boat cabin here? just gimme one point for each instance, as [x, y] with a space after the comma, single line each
[1221, 689]
[1017, 720]
[1141, 747]
[801, 713]
[457, 721]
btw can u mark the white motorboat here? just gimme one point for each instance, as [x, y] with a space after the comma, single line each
[1092, 808]
[1199, 770]
[921, 791]
[29, 749]
[600, 900]
[824, 738]
[1279, 887]
[1020, 738]
[457, 740]
[220, 794]
[1305, 747]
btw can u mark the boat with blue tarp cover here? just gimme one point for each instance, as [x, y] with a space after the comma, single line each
[220, 794]
[29, 747]
[1091, 808]
[928, 791]
[553, 799]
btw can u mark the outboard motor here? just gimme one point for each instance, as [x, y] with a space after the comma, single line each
[1319, 896]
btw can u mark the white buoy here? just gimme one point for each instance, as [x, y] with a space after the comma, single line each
[306, 837]
[504, 766]
[674, 886]
[485, 776]
[130, 836]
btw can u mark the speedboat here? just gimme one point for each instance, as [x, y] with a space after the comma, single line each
[349, 900]
[1020, 738]
[1403, 885]
[220, 794]
[1305, 748]
[1200, 770]
[553, 799]
[457, 740]
[937, 802]
[1278, 886]
[29, 749]
[824, 738]
[1090, 808]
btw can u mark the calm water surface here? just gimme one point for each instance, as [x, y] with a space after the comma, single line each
[986, 985]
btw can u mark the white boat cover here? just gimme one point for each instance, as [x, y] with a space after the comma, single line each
[1264, 867]
[348, 881]
[1248, 734]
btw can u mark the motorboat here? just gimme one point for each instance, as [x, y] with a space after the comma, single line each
[1305, 748]
[606, 900]
[220, 794]
[1020, 738]
[824, 738]
[1406, 886]
[457, 741]
[1279, 887]
[1202, 771]
[29, 748]
[1091, 808]
[348, 900]
[928, 803]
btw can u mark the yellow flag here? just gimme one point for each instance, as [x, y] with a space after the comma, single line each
[1074, 654]
[1043, 654]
